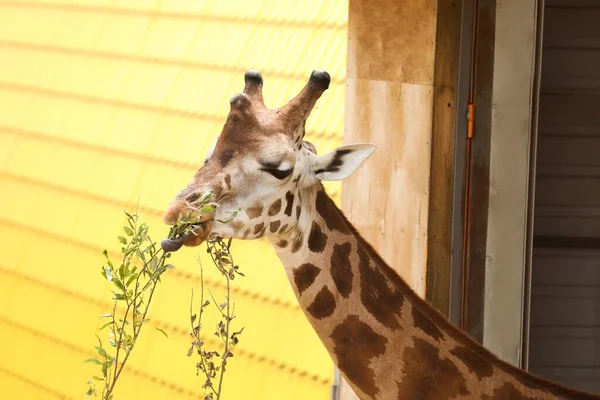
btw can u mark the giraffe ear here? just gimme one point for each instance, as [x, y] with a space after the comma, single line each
[341, 162]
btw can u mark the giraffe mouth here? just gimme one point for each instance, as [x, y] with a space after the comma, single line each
[190, 239]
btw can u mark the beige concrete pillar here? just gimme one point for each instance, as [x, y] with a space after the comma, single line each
[389, 101]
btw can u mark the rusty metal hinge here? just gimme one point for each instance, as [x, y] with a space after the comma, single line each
[470, 120]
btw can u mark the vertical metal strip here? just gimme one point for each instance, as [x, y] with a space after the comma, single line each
[535, 102]
[468, 156]
[465, 83]
[335, 388]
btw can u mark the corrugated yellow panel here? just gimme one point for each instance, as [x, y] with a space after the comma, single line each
[108, 105]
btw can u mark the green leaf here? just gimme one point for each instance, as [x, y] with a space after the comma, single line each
[118, 283]
[163, 332]
[93, 361]
[169, 266]
[128, 231]
[105, 253]
[107, 274]
[105, 325]
[122, 239]
[205, 196]
[131, 279]
[118, 296]
[97, 378]
[101, 351]
[105, 315]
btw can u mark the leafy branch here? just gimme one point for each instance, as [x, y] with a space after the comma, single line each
[134, 280]
[211, 363]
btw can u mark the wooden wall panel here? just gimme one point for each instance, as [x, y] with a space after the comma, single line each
[389, 100]
[442, 185]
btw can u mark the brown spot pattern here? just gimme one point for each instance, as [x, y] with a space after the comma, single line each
[297, 242]
[316, 239]
[282, 243]
[283, 228]
[228, 181]
[425, 324]
[225, 157]
[323, 305]
[237, 225]
[355, 344]
[258, 229]
[305, 275]
[378, 298]
[341, 270]
[507, 391]
[473, 362]
[289, 198]
[255, 211]
[330, 213]
[274, 226]
[427, 376]
[298, 211]
[275, 207]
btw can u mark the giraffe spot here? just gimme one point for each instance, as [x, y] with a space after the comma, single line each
[341, 270]
[283, 228]
[255, 211]
[259, 229]
[427, 376]
[324, 304]
[316, 239]
[297, 242]
[237, 225]
[298, 211]
[289, 198]
[225, 157]
[274, 226]
[379, 299]
[330, 213]
[355, 344]
[282, 243]
[275, 207]
[247, 233]
[507, 391]
[305, 275]
[228, 181]
[473, 362]
[423, 323]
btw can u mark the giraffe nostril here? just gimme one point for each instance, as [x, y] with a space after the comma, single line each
[190, 198]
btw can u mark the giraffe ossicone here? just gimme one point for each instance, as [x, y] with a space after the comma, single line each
[387, 341]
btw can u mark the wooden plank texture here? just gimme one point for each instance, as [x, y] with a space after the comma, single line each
[439, 249]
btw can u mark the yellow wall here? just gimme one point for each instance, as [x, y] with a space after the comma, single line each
[106, 102]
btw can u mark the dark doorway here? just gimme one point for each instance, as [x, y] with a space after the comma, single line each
[564, 335]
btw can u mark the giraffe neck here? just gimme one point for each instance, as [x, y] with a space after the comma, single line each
[386, 340]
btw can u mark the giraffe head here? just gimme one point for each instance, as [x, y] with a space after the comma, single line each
[260, 163]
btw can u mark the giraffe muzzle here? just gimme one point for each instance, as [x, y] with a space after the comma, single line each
[188, 238]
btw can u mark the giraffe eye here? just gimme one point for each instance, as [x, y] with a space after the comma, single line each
[278, 173]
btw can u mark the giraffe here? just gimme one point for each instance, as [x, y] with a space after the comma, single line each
[387, 341]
